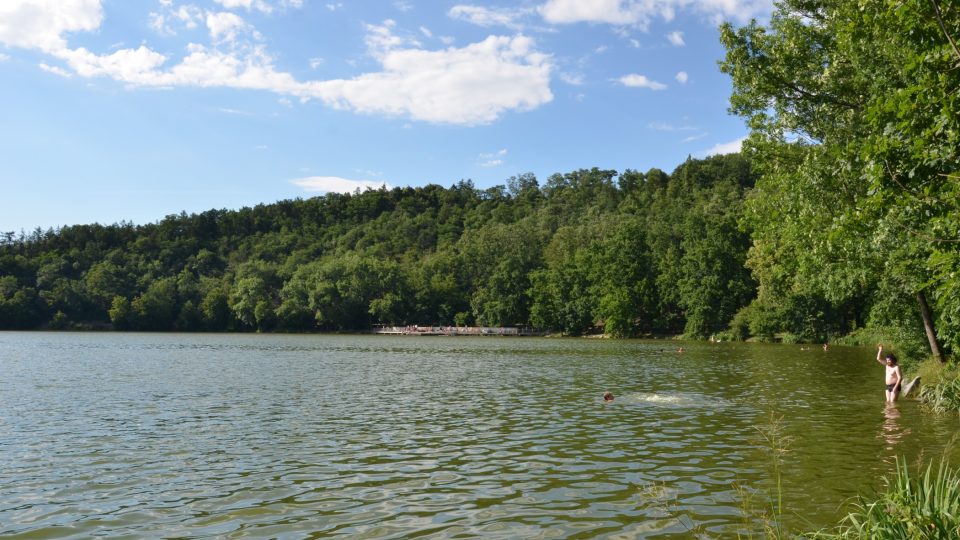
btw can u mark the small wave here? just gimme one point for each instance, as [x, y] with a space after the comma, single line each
[676, 399]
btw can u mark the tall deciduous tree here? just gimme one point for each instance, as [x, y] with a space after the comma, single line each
[853, 107]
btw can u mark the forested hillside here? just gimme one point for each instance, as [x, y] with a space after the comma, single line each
[632, 253]
[629, 254]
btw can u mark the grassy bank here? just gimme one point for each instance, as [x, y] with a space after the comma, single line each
[921, 505]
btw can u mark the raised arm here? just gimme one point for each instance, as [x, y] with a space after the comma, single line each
[880, 354]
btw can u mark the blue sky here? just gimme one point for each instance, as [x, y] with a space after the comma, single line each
[131, 110]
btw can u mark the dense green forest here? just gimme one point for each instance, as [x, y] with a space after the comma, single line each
[628, 253]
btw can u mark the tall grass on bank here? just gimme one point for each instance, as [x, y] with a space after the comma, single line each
[925, 507]
[940, 390]
[942, 397]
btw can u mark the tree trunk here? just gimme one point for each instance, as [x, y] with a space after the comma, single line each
[928, 326]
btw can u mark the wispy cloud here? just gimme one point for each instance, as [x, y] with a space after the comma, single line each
[682, 77]
[335, 184]
[248, 5]
[664, 126]
[484, 16]
[641, 13]
[731, 147]
[640, 81]
[225, 27]
[494, 159]
[574, 79]
[696, 137]
[676, 38]
[235, 112]
[55, 70]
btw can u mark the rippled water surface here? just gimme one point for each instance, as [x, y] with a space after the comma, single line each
[210, 436]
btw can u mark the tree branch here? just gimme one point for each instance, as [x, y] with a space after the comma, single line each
[936, 11]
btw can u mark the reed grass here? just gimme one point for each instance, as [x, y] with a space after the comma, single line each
[940, 390]
[926, 506]
[772, 436]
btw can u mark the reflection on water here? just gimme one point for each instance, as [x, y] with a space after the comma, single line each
[391, 437]
[891, 431]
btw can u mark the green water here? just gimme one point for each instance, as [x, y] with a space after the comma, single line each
[212, 436]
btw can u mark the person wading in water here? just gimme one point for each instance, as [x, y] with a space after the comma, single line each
[894, 377]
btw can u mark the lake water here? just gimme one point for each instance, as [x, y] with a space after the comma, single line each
[272, 436]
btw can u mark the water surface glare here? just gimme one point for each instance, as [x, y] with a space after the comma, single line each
[263, 436]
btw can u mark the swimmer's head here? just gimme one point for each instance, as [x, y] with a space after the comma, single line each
[608, 396]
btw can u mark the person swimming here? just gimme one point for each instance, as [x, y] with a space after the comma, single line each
[608, 396]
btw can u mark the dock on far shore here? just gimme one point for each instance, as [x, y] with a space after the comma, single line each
[417, 330]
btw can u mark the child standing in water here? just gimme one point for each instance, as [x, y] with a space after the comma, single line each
[893, 376]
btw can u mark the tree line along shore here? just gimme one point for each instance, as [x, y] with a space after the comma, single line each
[626, 254]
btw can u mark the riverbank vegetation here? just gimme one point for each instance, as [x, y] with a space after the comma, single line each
[925, 504]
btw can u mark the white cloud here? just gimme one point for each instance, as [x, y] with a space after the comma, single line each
[316, 62]
[335, 184]
[682, 77]
[663, 126]
[494, 159]
[483, 16]
[258, 5]
[135, 66]
[641, 12]
[602, 11]
[676, 38]
[640, 81]
[335, 7]
[426, 32]
[4, 57]
[731, 147]
[692, 138]
[236, 112]
[40, 24]
[224, 26]
[470, 85]
[403, 5]
[574, 79]
[55, 70]
[190, 16]
[381, 39]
